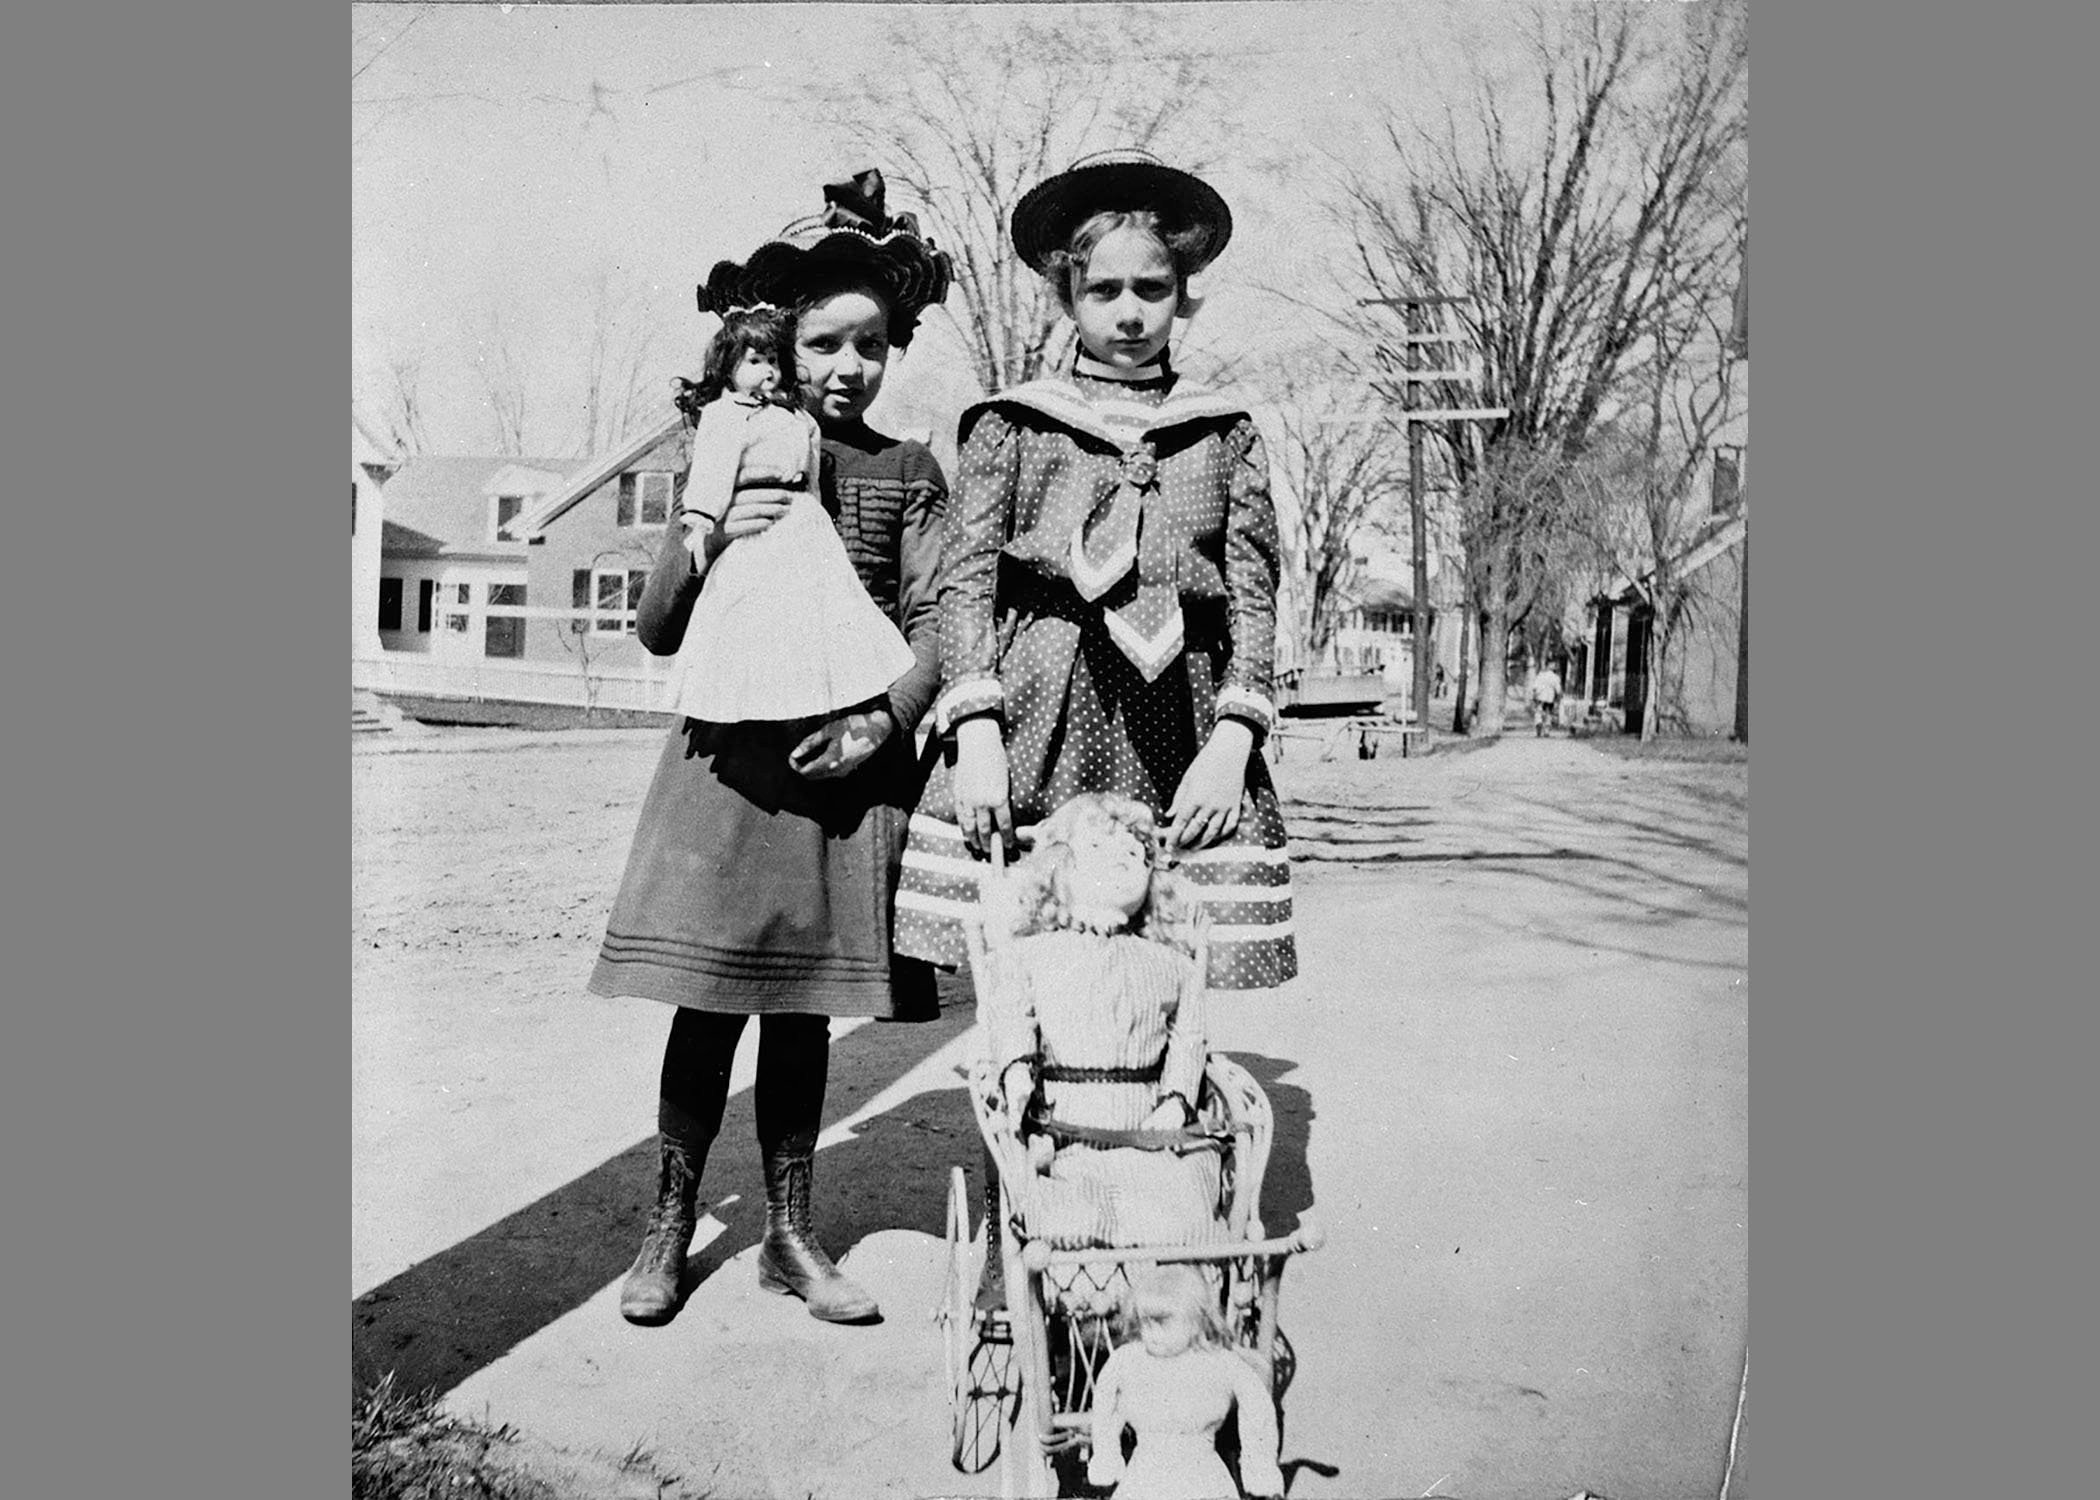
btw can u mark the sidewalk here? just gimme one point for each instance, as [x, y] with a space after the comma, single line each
[1512, 1080]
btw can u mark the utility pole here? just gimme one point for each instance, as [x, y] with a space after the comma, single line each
[1414, 413]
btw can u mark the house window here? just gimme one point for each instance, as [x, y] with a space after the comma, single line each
[645, 499]
[508, 509]
[615, 593]
[426, 598]
[456, 623]
[505, 634]
[390, 603]
[353, 507]
[1728, 479]
[466, 593]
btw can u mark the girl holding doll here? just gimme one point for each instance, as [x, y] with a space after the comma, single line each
[760, 877]
[839, 650]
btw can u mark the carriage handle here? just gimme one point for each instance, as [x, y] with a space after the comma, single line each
[1037, 1255]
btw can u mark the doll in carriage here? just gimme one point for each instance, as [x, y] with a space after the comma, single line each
[1120, 1144]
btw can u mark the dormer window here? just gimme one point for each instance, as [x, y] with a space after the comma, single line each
[645, 499]
[508, 509]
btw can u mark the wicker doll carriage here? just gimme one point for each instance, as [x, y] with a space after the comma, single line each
[1021, 1378]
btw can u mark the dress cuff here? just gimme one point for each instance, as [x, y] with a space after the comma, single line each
[967, 699]
[1243, 703]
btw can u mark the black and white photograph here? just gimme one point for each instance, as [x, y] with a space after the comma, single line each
[1050, 750]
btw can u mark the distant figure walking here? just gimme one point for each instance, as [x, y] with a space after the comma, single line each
[1545, 697]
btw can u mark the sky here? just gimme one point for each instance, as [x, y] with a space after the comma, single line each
[508, 159]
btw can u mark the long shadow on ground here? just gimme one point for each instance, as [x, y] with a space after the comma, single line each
[456, 1312]
[460, 1310]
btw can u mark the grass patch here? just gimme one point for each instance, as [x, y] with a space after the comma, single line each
[1702, 750]
[480, 714]
[403, 1447]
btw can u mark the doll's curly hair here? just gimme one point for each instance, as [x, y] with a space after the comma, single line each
[1164, 1290]
[768, 330]
[1036, 896]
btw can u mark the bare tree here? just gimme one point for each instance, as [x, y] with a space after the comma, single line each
[622, 384]
[1645, 521]
[987, 109]
[1608, 214]
[505, 381]
[1342, 462]
[394, 400]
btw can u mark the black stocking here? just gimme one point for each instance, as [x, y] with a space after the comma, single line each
[794, 1054]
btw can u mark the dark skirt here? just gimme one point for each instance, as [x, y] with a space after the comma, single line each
[752, 890]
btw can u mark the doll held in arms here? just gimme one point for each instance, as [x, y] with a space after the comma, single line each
[1174, 1385]
[783, 627]
[1094, 1018]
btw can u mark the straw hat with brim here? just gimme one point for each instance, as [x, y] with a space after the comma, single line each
[1126, 179]
[852, 238]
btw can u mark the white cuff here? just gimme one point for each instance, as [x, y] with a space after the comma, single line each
[974, 695]
[1242, 703]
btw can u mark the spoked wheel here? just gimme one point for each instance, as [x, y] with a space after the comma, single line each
[954, 1313]
[983, 1380]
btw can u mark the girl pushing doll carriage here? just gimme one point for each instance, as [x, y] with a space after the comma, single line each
[1120, 1143]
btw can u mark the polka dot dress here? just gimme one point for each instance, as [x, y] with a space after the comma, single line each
[1080, 716]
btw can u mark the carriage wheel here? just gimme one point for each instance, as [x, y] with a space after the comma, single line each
[955, 1312]
[982, 1375]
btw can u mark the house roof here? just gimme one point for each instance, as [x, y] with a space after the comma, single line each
[1713, 538]
[447, 499]
[584, 481]
[400, 541]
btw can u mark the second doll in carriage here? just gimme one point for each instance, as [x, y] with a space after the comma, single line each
[1119, 1141]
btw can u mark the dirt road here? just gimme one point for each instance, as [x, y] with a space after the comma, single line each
[1512, 1081]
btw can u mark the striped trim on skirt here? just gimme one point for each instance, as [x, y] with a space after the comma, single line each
[1243, 885]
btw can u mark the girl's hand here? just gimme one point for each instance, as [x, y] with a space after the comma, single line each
[843, 745]
[1206, 805]
[981, 790]
[753, 510]
[750, 512]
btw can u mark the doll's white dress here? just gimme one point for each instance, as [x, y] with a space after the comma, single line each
[1176, 1407]
[783, 628]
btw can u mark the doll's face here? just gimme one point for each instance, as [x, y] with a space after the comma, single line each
[1111, 868]
[1167, 1332]
[755, 374]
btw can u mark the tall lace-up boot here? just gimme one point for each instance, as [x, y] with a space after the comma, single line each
[650, 1293]
[790, 1260]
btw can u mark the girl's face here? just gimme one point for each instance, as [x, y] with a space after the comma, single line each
[1167, 1332]
[1124, 300]
[757, 373]
[1111, 868]
[842, 350]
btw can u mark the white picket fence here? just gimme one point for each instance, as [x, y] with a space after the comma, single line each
[497, 679]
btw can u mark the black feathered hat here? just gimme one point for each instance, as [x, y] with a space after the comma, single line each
[853, 237]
